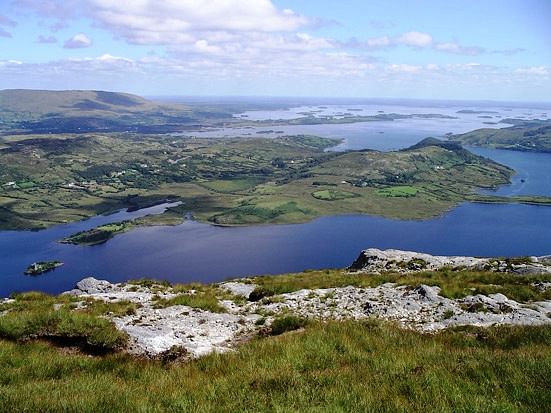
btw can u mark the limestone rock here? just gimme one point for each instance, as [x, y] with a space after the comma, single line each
[239, 288]
[180, 331]
[91, 285]
[376, 261]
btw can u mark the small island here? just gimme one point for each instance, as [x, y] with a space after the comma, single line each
[41, 267]
[97, 235]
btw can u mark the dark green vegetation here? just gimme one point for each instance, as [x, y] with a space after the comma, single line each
[530, 136]
[42, 111]
[453, 284]
[41, 267]
[53, 179]
[97, 235]
[36, 315]
[287, 323]
[338, 366]
[203, 296]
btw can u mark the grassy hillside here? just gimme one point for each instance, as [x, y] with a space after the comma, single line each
[334, 367]
[46, 112]
[60, 354]
[532, 136]
[48, 101]
[61, 178]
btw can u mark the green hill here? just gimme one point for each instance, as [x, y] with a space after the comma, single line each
[531, 136]
[67, 101]
[47, 111]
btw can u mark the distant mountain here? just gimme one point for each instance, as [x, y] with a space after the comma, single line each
[70, 101]
[76, 111]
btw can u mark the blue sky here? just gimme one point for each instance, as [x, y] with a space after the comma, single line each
[496, 50]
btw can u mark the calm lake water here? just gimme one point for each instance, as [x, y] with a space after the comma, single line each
[199, 252]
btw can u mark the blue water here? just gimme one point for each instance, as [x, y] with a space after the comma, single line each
[533, 171]
[199, 252]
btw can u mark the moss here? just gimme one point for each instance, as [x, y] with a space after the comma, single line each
[259, 293]
[287, 323]
[34, 315]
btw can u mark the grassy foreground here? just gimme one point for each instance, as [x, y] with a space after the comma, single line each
[347, 366]
[350, 366]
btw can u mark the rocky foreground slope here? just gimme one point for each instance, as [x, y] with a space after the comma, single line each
[374, 260]
[155, 330]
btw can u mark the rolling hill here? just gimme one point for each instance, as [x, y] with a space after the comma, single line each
[45, 111]
[528, 136]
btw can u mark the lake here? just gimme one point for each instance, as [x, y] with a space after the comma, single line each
[200, 252]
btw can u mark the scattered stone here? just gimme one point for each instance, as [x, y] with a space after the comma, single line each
[542, 286]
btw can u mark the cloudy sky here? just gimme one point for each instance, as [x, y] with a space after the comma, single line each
[469, 49]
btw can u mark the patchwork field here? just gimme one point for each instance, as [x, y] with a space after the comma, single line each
[46, 180]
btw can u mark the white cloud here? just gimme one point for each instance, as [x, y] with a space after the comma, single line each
[456, 48]
[432, 67]
[110, 58]
[173, 22]
[508, 52]
[534, 70]
[415, 39]
[78, 41]
[405, 68]
[220, 40]
[53, 8]
[10, 63]
[419, 40]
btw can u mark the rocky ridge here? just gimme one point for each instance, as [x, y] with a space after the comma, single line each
[155, 331]
[376, 261]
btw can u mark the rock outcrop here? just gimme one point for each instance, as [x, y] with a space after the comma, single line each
[154, 331]
[377, 261]
[158, 330]
[421, 308]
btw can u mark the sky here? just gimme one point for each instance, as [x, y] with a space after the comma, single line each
[432, 49]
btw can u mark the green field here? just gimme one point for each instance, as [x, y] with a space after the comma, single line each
[333, 195]
[398, 191]
[231, 181]
[232, 185]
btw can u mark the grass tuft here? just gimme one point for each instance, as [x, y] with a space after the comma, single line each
[337, 366]
[35, 315]
[287, 323]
